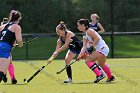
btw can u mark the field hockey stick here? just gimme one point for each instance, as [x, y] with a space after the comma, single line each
[48, 62]
[29, 41]
[72, 63]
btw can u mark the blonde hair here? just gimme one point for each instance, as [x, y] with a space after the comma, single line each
[96, 15]
[4, 21]
[62, 26]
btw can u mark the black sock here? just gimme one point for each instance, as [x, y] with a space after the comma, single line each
[5, 75]
[1, 75]
[69, 72]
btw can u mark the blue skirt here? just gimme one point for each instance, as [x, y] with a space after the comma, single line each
[5, 50]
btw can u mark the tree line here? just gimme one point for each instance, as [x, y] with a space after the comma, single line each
[42, 16]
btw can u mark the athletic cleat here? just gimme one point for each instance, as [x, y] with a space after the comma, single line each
[14, 81]
[69, 80]
[98, 78]
[4, 79]
[111, 79]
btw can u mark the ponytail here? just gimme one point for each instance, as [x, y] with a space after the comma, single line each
[14, 15]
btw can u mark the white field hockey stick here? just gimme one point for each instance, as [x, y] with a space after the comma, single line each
[29, 41]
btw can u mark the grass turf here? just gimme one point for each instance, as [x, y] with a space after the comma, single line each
[125, 70]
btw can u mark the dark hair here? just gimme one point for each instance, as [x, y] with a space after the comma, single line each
[62, 26]
[85, 22]
[14, 15]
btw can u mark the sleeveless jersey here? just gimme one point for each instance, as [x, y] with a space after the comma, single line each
[100, 44]
[7, 36]
[75, 43]
[95, 26]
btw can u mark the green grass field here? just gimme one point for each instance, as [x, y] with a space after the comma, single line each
[126, 72]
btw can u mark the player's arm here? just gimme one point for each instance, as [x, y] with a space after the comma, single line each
[18, 35]
[59, 49]
[67, 41]
[59, 44]
[94, 37]
[14, 45]
[101, 29]
[1, 27]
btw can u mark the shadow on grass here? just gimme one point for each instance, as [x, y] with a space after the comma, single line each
[94, 83]
[14, 84]
[106, 83]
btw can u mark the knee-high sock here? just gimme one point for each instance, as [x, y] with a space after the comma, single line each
[107, 71]
[93, 66]
[102, 71]
[11, 71]
[69, 72]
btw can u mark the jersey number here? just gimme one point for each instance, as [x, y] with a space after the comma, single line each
[3, 34]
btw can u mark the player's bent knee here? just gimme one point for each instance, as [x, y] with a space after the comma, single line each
[87, 60]
[67, 62]
[101, 64]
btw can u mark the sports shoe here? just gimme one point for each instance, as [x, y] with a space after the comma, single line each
[4, 79]
[98, 78]
[14, 81]
[69, 80]
[111, 79]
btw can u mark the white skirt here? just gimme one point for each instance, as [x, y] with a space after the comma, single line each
[104, 51]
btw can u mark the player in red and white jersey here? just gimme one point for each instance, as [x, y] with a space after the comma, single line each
[101, 50]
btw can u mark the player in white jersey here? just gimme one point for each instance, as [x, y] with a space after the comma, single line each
[100, 46]
[101, 49]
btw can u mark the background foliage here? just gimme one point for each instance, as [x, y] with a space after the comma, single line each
[42, 16]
